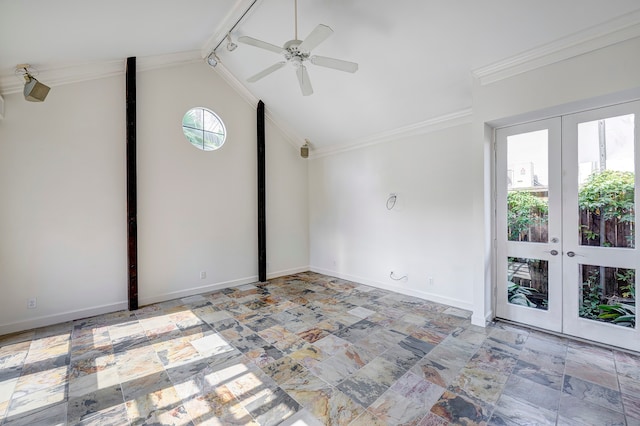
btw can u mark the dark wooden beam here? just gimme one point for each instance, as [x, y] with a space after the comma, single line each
[132, 190]
[262, 199]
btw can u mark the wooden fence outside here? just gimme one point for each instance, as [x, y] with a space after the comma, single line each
[616, 232]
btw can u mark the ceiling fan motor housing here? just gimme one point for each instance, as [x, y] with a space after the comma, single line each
[293, 54]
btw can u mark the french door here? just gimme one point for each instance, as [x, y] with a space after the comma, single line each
[565, 222]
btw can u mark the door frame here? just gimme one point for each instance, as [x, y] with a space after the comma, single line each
[632, 334]
[550, 319]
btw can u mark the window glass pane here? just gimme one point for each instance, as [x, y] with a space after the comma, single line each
[608, 295]
[194, 136]
[191, 119]
[607, 182]
[212, 141]
[212, 123]
[528, 282]
[203, 129]
[528, 187]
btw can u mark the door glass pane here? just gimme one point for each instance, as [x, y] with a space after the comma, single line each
[528, 187]
[608, 295]
[606, 182]
[528, 282]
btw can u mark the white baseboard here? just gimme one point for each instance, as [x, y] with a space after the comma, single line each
[163, 297]
[217, 286]
[286, 272]
[456, 303]
[52, 319]
[46, 320]
[481, 320]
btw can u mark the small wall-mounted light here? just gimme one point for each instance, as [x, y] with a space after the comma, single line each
[304, 149]
[212, 59]
[231, 46]
[34, 91]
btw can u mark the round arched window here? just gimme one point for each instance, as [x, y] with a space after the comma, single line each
[204, 129]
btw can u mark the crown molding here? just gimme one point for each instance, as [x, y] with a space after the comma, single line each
[464, 116]
[148, 63]
[427, 126]
[290, 135]
[58, 75]
[611, 32]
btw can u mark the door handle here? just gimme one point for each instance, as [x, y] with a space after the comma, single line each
[552, 252]
[572, 254]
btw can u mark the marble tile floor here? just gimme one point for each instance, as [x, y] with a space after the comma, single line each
[308, 349]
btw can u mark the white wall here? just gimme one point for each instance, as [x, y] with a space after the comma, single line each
[62, 193]
[62, 211]
[63, 197]
[601, 77]
[426, 234]
[444, 226]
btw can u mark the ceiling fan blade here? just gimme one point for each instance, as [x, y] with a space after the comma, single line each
[266, 72]
[259, 43]
[317, 36]
[336, 64]
[303, 79]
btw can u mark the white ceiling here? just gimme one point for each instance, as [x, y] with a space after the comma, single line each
[48, 32]
[416, 57]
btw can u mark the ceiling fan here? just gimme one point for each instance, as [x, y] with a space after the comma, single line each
[298, 52]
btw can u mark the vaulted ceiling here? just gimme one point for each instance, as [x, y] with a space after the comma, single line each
[416, 57]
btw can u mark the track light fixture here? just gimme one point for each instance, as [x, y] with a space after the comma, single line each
[34, 91]
[213, 59]
[304, 149]
[231, 46]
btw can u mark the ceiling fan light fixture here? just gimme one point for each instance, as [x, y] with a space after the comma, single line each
[297, 52]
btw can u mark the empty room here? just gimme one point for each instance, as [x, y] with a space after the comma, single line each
[319, 212]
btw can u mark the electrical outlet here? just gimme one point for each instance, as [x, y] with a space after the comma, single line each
[203, 275]
[32, 303]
